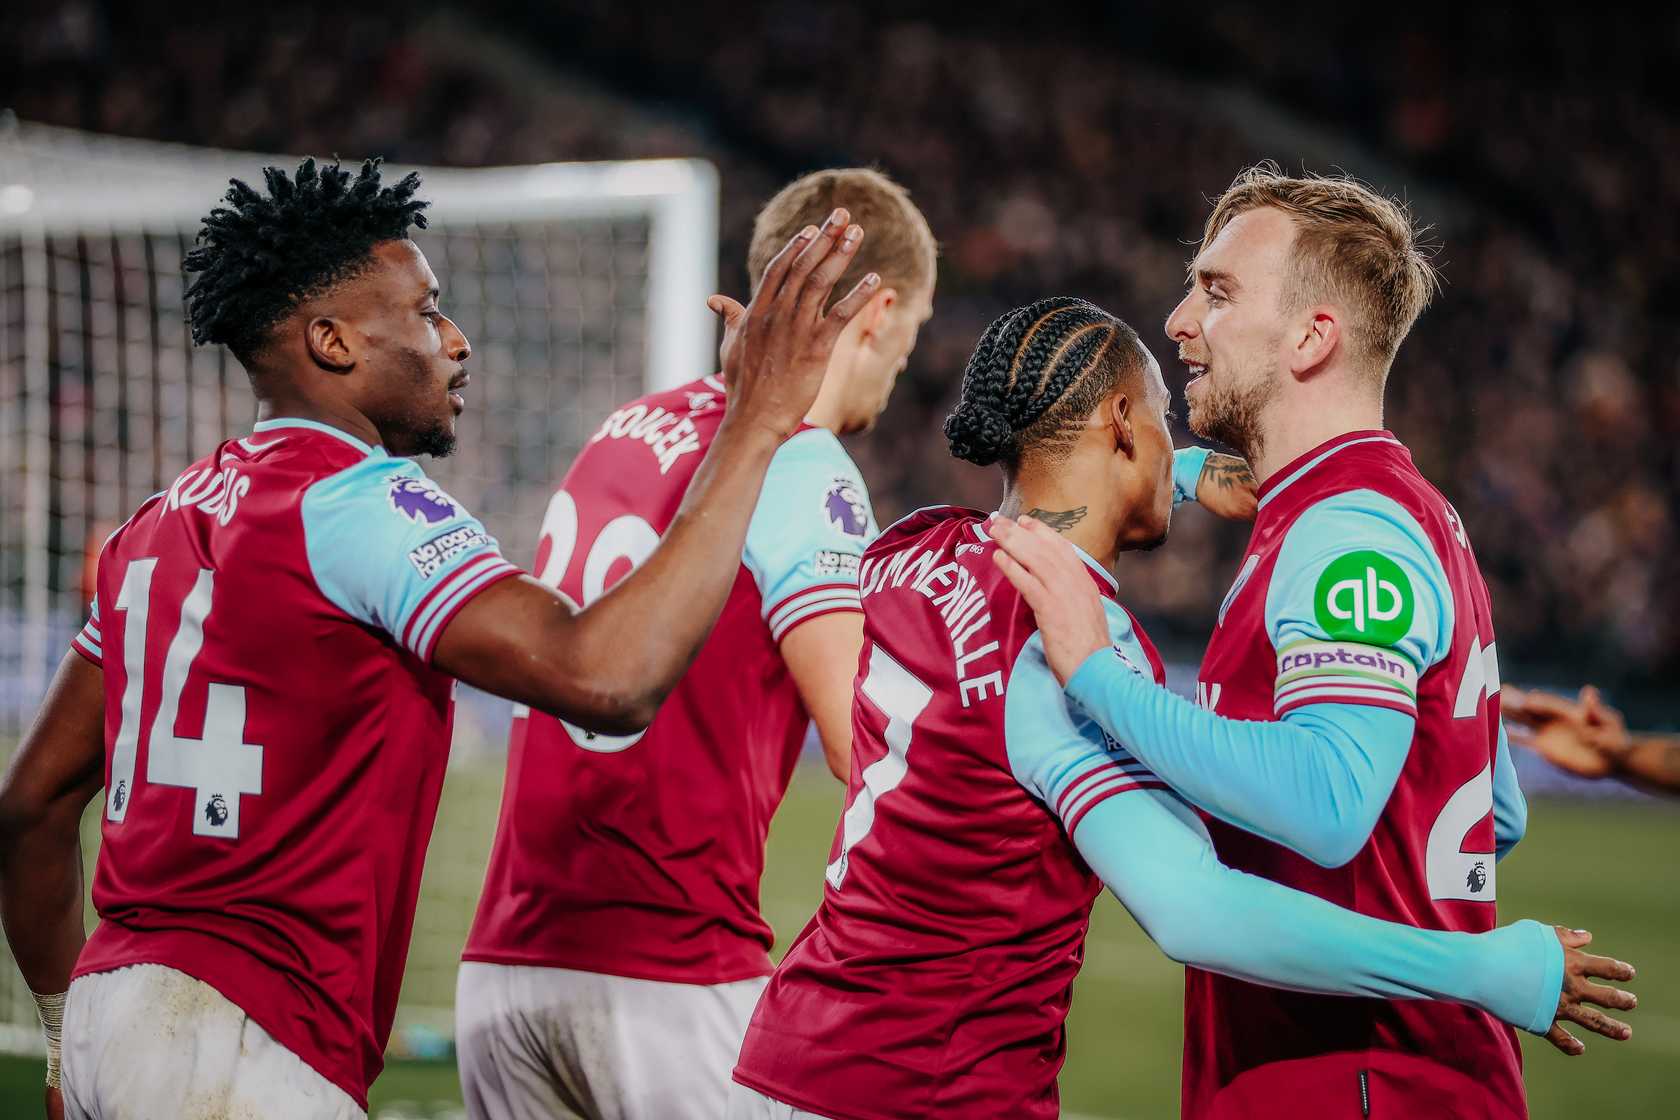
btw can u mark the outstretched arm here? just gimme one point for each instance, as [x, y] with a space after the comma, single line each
[607, 667]
[1150, 849]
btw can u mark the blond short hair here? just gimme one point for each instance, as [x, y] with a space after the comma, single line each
[1351, 244]
[897, 241]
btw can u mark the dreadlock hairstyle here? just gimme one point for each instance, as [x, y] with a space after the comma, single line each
[259, 256]
[1038, 369]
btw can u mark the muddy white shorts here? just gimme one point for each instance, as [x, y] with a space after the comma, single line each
[557, 1043]
[146, 1041]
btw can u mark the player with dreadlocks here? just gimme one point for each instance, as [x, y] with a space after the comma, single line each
[265, 686]
[986, 813]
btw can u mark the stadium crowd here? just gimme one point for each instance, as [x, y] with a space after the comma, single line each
[1537, 392]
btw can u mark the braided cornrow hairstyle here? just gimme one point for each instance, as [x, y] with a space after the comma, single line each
[1036, 370]
[261, 255]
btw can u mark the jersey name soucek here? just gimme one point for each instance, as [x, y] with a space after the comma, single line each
[935, 978]
[275, 735]
[1359, 586]
[641, 855]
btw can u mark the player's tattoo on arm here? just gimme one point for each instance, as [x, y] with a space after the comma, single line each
[1226, 471]
[1060, 520]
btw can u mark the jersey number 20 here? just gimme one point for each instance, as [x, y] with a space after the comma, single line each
[626, 537]
[219, 766]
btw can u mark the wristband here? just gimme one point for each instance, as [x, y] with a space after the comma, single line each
[51, 1011]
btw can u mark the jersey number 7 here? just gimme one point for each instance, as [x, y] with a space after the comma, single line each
[219, 766]
[901, 698]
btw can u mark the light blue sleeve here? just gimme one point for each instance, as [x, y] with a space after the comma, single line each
[1510, 807]
[1358, 606]
[808, 532]
[1187, 472]
[393, 551]
[1151, 850]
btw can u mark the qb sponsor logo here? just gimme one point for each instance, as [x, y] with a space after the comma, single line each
[1364, 596]
[420, 500]
[843, 507]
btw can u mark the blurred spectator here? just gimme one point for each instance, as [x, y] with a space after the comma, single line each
[1076, 157]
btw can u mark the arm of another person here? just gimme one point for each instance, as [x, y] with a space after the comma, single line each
[1316, 779]
[822, 655]
[57, 770]
[1153, 853]
[804, 549]
[1590, 738]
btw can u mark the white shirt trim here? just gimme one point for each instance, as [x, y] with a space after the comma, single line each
[314, 426]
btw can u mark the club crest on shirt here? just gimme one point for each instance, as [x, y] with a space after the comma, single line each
[844, 508]
[420, 500]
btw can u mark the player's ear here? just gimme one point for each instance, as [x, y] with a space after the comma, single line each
[1119, 409]
[875, 311]
[1319, 334]
[327, 348]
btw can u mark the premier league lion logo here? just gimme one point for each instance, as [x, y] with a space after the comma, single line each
[844, 508]
[1477, 879]
[216, 810]
[419, 500]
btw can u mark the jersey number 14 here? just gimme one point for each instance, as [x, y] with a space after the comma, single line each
[219, 766]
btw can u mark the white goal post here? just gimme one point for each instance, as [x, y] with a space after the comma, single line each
[579, 284]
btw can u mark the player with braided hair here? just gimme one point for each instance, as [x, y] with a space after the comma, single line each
[986, 812]
[266, 683]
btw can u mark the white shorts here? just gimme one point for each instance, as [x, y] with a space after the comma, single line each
[557, 1043]
[146, 1041]
[750, 1104]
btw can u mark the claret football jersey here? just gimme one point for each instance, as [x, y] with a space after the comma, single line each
[275, 732]
[641, 855]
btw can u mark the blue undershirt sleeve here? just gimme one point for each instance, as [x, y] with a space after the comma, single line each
[1357, 606]
[1153, 853]
[1187, 472]
[1510, 808]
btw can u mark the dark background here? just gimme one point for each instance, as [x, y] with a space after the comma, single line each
[1071, 148]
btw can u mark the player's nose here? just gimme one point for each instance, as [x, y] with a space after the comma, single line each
[1181, 324]
[455, 342]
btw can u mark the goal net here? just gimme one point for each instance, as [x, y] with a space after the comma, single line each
[579, 285]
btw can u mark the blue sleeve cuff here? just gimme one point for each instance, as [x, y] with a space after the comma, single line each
[1551, 986]
[1187, 472]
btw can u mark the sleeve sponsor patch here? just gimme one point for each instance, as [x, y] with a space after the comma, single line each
[833, 562]
[1364, 596]
[1343, 673]
[430, 557]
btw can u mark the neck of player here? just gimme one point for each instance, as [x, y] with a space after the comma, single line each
[1295, 423]
[1080, 509]
[331, 413]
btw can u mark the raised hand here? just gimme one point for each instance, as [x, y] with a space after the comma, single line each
[1227, 488]
[1579, 991]
[1056, 585]
[776, 349]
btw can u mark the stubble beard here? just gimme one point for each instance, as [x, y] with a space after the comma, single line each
[428, 433]
[1232, 414]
